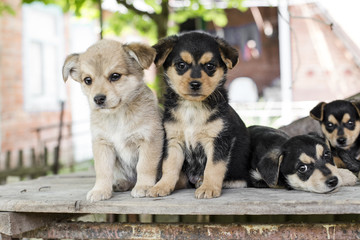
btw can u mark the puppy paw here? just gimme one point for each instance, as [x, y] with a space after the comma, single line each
[158, 191]
[347, 177]
[199, 182]
[139, 191]
[122, 185]
[95, 195]
[207, 192]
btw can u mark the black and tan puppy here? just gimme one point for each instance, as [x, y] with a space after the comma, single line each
[302, 162]
[205, 137]
[340, 123]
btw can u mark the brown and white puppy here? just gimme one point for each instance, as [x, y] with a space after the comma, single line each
[205, 138]
[303, 162]
[126, 127]
[340, 124]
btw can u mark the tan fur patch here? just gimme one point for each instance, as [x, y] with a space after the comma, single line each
[181, 83]
[316, 182]
[143, 55]
[319, 151]
[213, 180]
[346, 118]
[206, 58]
[339, 163]
[306, 158]
[347, 178]
[332, 119]
[170, 169]
[227, 61]
[187, 57]
[332, 137]
[352, 135]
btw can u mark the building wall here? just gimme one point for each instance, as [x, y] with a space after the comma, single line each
[17, 125]
[323, 69]
[264, 69]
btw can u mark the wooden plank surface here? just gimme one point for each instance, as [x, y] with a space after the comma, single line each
[66, 194]
[17, 223]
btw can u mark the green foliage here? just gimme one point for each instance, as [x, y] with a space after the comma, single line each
[120, 23]
[6, 8]
[79, 7]
[194, 9]
[144, 21]
[155, 5]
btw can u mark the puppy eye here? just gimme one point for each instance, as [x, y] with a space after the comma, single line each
[182, 66]
[302, 168]
[210, 66]
[87, 81]
[114, 77]
[327, 154]
[329, 125]
[350, 123]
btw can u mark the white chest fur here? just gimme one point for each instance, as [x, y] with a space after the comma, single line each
[118, 132]
[192, 124]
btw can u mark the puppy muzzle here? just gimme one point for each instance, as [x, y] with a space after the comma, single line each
[195, 85]
[100, 99]
[332, 182]
[341, 141]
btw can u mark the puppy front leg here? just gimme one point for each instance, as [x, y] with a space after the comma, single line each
[213, 179]
[172, 165]
[104, 157]
[149, 158]
[350, 161]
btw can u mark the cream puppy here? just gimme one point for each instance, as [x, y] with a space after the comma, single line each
[126, 127]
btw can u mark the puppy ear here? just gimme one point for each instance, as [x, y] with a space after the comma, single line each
[317, 112]
[229, 54]
[163, 49]
[71, 67]
[357, 107]
[143, 54]
[269, 167]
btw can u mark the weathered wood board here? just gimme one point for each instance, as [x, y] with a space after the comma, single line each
[66, 194]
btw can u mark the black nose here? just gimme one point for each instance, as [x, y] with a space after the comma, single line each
[195, 85]
[100, 99]
[341, 140]
[332, 182]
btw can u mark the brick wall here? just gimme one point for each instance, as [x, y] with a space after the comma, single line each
[17, 126]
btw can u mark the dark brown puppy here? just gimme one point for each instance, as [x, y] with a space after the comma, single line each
[205, 138]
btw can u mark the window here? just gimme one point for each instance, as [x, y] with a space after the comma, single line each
[43, 44]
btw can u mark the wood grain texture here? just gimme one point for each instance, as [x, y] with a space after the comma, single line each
[66, 194]
[16, 223]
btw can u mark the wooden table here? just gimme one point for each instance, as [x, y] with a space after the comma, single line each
[35, 208]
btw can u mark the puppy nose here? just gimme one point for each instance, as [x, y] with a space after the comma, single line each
[341, 140]
[195, 85]
[100, 99]
[332, 182]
